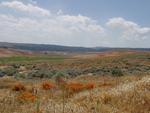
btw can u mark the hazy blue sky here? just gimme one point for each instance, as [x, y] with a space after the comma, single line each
[134, 10]
[89, 23]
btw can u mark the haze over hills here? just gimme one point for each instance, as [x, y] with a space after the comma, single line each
[60, 48]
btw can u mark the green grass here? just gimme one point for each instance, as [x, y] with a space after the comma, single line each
[36, 58]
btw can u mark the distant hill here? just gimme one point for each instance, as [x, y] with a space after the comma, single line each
[46, 47]
[4, 52]
[58, 48]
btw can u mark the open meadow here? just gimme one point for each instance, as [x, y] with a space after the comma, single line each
[74, 56]
[102, 82]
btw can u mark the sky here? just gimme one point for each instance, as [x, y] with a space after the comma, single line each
[86, 23]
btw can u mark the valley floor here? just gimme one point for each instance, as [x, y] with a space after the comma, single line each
[105, 82]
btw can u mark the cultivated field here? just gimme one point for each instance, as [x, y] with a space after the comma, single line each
[106, 82]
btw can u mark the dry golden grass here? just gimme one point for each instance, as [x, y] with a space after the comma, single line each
[47, 85]
[105, 97]
[89, 85]
[130, 95]
[26, 96]
[7, 82]
[75, 86]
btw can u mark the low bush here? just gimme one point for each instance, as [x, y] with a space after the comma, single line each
[15, 65]
[19, 87]
[43, 73]
[2, 73]
[20, 75]
[117, 72]
[10, 71]
[94, 70]
[60, 74]
[75, 87]
[89, 85]
[46, 85]
[73, 72]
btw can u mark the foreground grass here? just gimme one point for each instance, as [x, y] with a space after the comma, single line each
[128, 94]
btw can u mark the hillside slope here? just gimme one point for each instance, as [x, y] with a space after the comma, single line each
[4, 52]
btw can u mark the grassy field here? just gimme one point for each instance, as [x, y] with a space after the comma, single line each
[108, 82]
[35, 58]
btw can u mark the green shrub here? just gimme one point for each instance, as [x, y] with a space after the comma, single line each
[20, 75]
[10, 71]
[2, 73]
[93, 70]
[60, 74]
[73, 72]
[15, 65]
[117, 72]
[43, 73]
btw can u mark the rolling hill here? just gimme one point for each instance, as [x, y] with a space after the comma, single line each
[59, 48]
